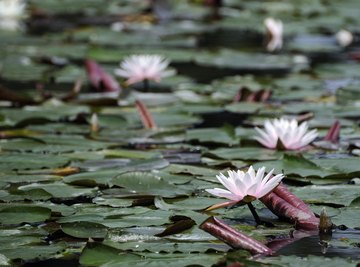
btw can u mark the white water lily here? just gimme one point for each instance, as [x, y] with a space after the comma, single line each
[274, 30]
[291, 135]
[344, 38]
[245, 186]
[11, 14]
[137, 68]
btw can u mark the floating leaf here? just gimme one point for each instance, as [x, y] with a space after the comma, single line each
[245, 153]
[96, 254]
[328, 194]
[84, 229]
[60, 190]
[143, 183]
[318, 168]
[225, 135]
[16, 214]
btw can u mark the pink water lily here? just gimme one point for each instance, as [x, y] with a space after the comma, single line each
[291, 135]
[137, 68]
[246, 186]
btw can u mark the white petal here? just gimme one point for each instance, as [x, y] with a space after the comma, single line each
[267, 177]
[251, 172]
[266, 139]
[259, 175]
[223, 193]
[252, 190]
[264, 142]
[272, 183]
[309, 137]
[226, 182]
[140, 67]
[240, 184]
[291, 134]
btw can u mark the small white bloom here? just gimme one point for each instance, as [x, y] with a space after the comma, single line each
[300, 60]
[12, 8]
[26, 61]
[274, 30]
[137, 68]
[94, 123]
[344, 38]
[291, 135]
[11, 13]
[240, 184]
[117, 26]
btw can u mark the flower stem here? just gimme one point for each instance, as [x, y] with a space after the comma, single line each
[254, 214]
[146, 85]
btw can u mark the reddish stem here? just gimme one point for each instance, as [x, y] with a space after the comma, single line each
[100, 79]
[265, 95]
[283, 192]
[333, 135]
[145, 115]
[244, 94]
[283, 209]
[233, 237]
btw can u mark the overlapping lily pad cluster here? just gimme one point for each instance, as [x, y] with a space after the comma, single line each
[99, 170]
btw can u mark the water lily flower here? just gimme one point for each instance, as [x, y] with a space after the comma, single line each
[274, 31]
[245, 186]
[344, 38]
[137, 68]
[286, 133]
[11, 13]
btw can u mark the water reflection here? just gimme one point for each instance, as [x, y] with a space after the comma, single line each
[340, 244]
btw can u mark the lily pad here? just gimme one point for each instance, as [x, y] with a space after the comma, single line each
[144, 183]
[16, 214]
[84, 229]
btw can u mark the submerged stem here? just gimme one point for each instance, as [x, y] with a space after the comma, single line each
[254, 213]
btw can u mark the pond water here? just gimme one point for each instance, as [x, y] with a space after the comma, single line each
[332, 246]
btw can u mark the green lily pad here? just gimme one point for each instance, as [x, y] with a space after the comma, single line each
[144, 183]
[223, 135]
[99, 254]
[96, 254]
[245, 153]
[328, 194]
[60, 190]
[29, 252]
[84, 229]
[297, 165]
[21, 161]
[15, 214]
[308, 261]
[348, 216]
